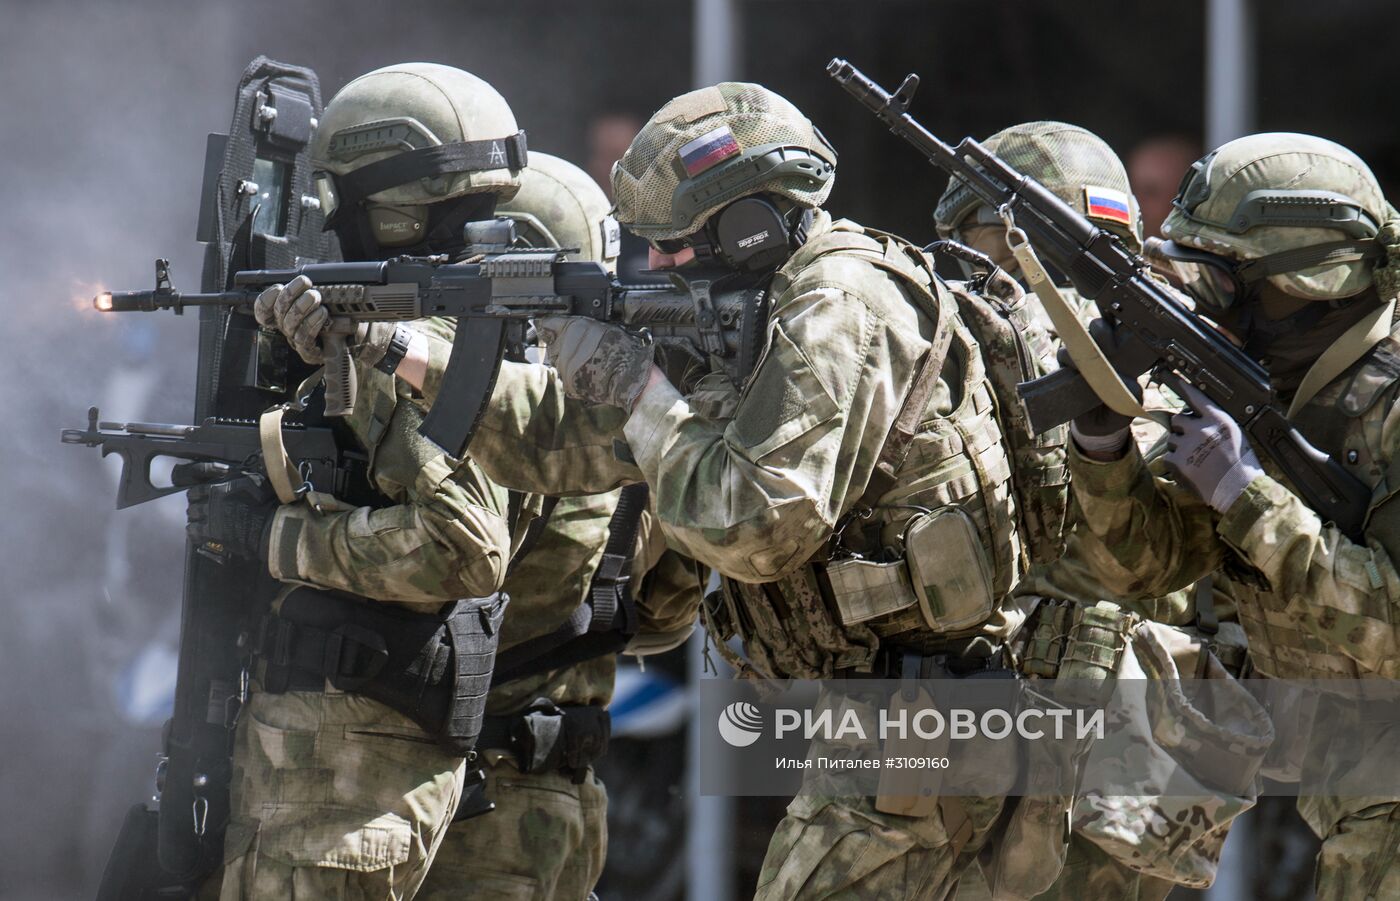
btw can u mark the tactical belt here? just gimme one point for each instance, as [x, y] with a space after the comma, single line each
[546, 738]
[895, 662]
[607, 619]
[433, 668]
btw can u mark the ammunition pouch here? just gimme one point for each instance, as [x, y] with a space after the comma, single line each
[434, 668]
[549, 738]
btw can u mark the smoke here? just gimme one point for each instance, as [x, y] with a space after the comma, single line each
[106, 107]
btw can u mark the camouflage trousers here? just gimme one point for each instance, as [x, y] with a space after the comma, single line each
[545, 841]
[334, 796]
[1088, 873]
[846, 849]
[1360, 858]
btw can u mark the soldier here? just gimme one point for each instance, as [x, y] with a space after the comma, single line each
[1083, 171]
[1286, 243]
[870, 402]
[336, 794]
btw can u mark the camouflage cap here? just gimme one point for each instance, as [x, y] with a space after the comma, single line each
[1073, 162]
[560, 205]
[411, 106]
[709, 147]
[1269, 194]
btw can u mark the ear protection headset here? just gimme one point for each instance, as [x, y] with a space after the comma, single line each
[749, 235]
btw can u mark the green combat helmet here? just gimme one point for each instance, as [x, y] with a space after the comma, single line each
[560, 205]
[707, 148]
[1300, 211]
[1074, 163]
[394, 145]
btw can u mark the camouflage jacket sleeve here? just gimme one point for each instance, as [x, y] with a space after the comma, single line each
[669, 590]
[757, 495]
[1143, 535]
[446, 537]
[532, 437]
[1344, 592]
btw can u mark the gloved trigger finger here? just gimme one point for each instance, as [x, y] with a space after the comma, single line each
[264, 308]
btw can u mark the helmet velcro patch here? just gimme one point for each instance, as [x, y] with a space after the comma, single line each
[1107, 205]
[693, 106]
[708, 150]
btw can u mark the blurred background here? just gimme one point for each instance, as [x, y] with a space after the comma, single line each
[104, 109]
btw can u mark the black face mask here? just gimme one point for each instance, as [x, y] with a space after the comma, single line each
[442, 233]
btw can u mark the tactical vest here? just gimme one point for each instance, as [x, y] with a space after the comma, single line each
[929, 560]
[1344, 420]
[1015, 349]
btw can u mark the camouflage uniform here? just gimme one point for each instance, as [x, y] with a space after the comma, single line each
[449, 533]
[756, 488]
[1069, 160]
[1315, 604]
[334, 794]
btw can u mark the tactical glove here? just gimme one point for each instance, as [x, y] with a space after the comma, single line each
[232, 517]
[296, 310]
[597, 362]
[1101, 429]
[1209, 451]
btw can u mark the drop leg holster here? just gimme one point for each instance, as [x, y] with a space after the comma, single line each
[435, 668]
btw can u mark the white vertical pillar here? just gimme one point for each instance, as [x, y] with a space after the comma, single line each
[1229, 70]
[717, 42]
[1229, 115]
[710, 833]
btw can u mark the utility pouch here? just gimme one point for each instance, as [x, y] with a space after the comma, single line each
[1044, 647]
[1097, 637]
[944, 572]
[433, 668]
[949, 570]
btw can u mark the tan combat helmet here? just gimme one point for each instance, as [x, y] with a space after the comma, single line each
[560, 205]
[400, 139]
[1300, 211]
[1074, 163]
[707, 148]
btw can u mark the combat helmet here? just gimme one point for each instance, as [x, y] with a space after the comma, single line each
[395, 145]
[705, 149]
[1074, 163]
[1304, 213]
[560, 205]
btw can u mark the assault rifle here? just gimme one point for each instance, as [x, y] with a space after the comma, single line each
[1165, 334]
[696, 316]
[234, 443]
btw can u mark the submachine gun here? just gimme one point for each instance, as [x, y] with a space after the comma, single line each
[492, 299]
[1163, 333]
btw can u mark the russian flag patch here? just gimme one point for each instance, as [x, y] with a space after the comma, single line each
[1108, 205]
[708, 150]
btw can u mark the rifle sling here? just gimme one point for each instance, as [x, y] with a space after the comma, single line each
[933, 302]
[1088, 357]
[605, 621]
[282, 473]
